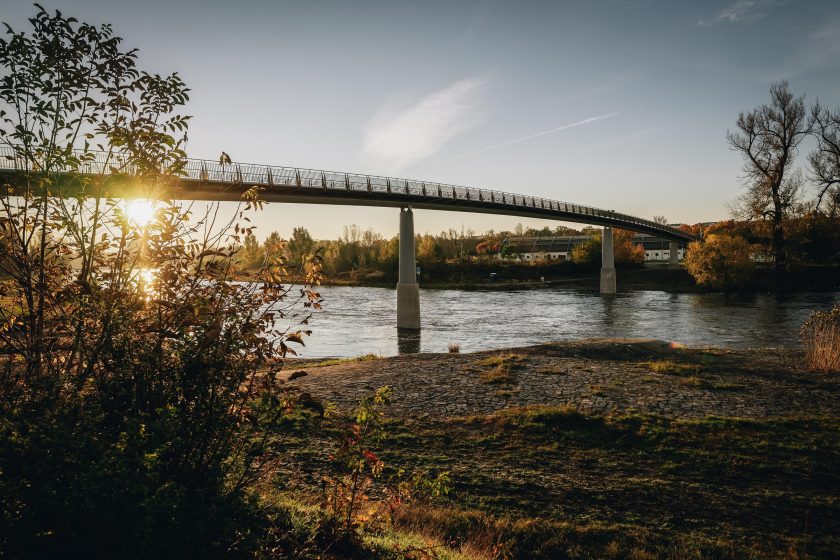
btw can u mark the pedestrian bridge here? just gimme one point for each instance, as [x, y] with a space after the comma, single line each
[211, 180]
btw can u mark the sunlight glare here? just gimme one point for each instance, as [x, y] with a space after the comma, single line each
[140, 212]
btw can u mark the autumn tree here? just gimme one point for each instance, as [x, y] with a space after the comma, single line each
[720, 262]
[768, 138]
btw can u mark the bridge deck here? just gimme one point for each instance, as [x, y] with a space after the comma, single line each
[208, 180]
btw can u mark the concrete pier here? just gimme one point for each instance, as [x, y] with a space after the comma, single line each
[674, 258]
[408, 290]
[607, 262]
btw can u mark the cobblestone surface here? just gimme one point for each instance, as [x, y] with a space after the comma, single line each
[595, 376]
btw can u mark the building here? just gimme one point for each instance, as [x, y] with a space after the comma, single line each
[559, 248]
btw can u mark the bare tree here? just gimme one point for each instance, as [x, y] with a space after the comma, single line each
[661, 220]
[767, 138]
[825, 159]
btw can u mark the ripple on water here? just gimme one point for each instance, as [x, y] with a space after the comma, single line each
[357, 320]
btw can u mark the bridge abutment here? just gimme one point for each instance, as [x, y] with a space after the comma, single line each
[674, 256]
[608, 285]
[408, 290]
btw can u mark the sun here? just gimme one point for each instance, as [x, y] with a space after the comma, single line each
[140, 212]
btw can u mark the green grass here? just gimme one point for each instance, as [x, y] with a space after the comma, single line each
[549, 482]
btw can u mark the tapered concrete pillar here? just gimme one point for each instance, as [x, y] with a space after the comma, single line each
[408, 291]
[674, 257]
[607, 262]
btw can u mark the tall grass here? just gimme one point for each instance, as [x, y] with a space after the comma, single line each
[821, 337]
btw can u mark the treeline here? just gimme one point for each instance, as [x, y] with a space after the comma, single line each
[363, 254]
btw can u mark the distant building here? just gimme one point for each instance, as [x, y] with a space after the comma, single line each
[559, 248]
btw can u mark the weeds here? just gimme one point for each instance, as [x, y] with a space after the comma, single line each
[821, 337]
[499, 375]
[337, 361]
[669, 367]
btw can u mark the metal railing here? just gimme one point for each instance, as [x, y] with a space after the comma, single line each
[311, 179]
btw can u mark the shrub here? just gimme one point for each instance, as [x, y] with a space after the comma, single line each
[454, 348]
[821, 337]
[720, 262]
[132, 394]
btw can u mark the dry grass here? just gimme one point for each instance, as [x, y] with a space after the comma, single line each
[498, 359]
[669, 367]
[821, 337]
[501, 374]
[454, 348]
[334, 361]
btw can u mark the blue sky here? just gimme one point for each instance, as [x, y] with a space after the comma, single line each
[616, 104]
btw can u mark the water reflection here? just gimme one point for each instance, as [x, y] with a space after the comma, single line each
[408, 341]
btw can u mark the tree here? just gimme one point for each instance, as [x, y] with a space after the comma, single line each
[662, 220]
[720, 262]
[825, 159]
[301, 245]
[588, 253]
[130, 393]
[624, 250]
[274, 248]
[767, 138]
[251, 254]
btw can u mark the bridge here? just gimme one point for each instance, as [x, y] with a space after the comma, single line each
[222, 181]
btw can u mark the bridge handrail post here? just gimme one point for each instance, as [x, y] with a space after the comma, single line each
[324, 180]
[388, 185]
[423, 188]
[369, 187]
[347, 181]
[269, 176]
[238, 174]
[297, 178]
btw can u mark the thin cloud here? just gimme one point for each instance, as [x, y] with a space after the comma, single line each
[543, 133]
[400, 135]
[742, 11]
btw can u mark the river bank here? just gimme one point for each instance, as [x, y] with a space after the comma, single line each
[650, 276]
[598, 448]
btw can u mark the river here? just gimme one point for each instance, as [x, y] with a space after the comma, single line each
[359, 320]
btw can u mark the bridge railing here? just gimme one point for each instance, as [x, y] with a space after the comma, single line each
[311, 179]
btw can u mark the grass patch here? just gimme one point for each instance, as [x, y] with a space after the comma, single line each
[336, 361]
[499, 375]
[500, 359]
[669, 367]
[553, 482]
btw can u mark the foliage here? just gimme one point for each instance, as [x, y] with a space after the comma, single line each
[625, 251]
[720, 262]
[131, 394]
[301, 247]
[588, 253]
[820, 336]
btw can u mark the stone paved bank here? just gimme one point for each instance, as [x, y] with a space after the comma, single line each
[595, 376]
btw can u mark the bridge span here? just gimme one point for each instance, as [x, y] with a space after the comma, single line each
[214, 181]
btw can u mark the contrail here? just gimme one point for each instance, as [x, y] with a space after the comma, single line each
[543, 133]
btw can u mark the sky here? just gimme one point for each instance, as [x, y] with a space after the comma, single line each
[621, 104]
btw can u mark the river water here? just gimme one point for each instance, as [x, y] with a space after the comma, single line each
[357, 320]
